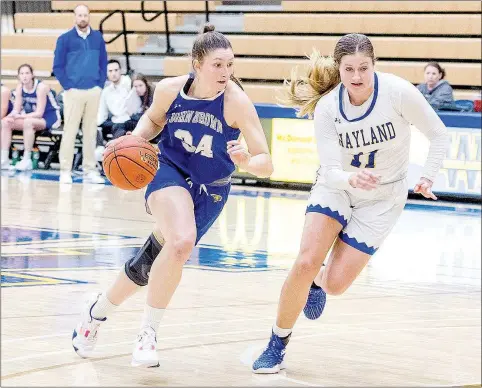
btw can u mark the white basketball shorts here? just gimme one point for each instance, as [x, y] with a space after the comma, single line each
[366, 221]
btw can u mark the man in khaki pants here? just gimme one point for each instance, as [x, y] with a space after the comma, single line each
[80, 65]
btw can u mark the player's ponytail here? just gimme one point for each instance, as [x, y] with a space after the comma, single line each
[304, 91]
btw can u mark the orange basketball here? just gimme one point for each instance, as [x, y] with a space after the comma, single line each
[130, 162]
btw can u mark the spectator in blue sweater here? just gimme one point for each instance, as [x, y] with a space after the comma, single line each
[80, 65]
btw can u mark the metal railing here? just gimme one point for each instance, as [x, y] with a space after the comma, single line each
[123, 33]
[146, 17]
[166, 22]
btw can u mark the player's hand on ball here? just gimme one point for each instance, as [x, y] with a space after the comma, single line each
[364, 179]
[424, 187]
[238, 154]
[113, 140]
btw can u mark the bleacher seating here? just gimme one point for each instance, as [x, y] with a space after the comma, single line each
[59, 21]
[411, 6]
[406, 34]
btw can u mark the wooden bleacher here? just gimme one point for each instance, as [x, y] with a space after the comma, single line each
[382, 6]
[406, 35]
[466, 74]
[60, 21]
[48, 42]
[394, 24]
[279, 69]
[96, 6]
[386, 47]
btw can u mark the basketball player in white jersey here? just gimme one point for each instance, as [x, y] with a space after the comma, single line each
[362, 126]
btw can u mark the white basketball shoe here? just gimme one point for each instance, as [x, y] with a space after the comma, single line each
[84, 336]
[145, 349]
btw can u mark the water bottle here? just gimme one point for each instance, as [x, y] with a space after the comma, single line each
[35, 158]
[15, 156]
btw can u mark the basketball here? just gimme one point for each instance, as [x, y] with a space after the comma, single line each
[130, 162]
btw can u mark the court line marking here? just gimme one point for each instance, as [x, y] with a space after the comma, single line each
[57, 366]
[326, 326]
[41, 228]
[117, 328]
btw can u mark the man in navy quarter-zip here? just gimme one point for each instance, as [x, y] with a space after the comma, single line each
[80, 65]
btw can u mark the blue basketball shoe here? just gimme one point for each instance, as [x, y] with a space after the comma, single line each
[271, 360]
[315, 304]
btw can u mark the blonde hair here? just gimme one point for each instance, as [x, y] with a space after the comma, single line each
[304, 91]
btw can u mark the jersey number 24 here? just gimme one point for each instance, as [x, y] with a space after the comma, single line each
[204, 147]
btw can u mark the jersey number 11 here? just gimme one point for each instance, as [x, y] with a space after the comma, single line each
[370, 163]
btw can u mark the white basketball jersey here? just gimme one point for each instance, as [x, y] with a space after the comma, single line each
[375, 135]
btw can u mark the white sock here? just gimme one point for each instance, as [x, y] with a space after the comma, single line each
[4, 154]
[281, 332]
[27, 155]
[102, 308]
[152, 317]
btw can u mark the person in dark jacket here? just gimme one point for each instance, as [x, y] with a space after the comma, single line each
[80, 65]
[436, 89]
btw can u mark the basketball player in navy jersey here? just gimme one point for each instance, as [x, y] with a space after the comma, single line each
[200, 118]
[35, 109]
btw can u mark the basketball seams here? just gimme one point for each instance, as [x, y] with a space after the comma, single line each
[135, 168]
[133, 161]
[140, 147]
[122, 172]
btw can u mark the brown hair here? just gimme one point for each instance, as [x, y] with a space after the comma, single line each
[29, 67]
[304, 92]
[146, 98]
[209, 40]
[24, 65]
[437, 66]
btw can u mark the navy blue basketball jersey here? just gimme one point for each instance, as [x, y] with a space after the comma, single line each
[195, 137]
[29, 101]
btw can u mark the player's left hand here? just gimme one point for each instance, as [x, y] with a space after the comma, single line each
[238, 154]
[424, 187]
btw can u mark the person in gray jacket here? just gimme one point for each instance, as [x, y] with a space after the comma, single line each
[436, 89]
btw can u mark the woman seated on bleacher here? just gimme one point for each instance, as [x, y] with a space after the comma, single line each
[436, 89]
[7, 105]
[35, 109]
[144, 90]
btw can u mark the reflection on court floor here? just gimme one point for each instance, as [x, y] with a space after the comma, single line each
[411, 318]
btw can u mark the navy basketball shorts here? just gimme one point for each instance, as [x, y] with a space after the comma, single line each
[209, 200]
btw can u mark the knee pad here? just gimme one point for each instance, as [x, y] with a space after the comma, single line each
[137, 268]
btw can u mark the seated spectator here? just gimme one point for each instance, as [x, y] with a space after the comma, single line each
[436, 90]
[35, 109]
[7, 105]
[145, 91]
[112, 115]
